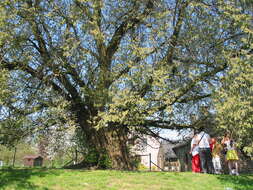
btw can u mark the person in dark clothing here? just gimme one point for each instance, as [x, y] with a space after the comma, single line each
[205, 154]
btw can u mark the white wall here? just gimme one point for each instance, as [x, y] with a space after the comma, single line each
[150, 147]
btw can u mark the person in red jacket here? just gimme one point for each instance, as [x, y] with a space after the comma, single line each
[195, 155]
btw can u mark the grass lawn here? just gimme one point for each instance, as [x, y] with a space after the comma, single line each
[59, 179]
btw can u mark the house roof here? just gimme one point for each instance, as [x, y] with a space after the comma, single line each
[168, 148]
[32, 156]
[181, 144]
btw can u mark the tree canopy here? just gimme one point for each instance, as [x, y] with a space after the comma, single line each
[114, 67]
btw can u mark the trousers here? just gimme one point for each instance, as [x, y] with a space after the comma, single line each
[206, 160]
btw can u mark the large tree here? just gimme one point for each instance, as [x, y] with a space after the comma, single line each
[112, 67]
[234, 97]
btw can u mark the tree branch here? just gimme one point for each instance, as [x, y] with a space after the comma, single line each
[19, 66]
[125, 26]
[175, 35]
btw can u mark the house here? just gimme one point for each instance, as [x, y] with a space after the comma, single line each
[163, 155]
[1, 163]
[174, 157]
[33, 160]
[147, 150]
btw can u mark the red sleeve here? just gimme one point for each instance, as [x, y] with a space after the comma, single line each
[211, 146]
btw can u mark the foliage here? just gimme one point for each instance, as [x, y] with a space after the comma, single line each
[234, 98]
[110, 68]
[104, 161]
[4, 92]
[142, 167]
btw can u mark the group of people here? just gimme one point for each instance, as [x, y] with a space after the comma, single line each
[207, 152]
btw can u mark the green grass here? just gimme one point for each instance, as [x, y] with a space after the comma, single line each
[59, 179]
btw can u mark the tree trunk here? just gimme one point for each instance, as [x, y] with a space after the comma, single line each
[113, 142]
[109, 140]
[116, 146]
[14, 157]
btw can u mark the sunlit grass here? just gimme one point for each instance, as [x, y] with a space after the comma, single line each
[59, 179]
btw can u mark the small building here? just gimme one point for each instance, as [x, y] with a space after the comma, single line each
[174, 157]
[147, 150]
[33, 161]
[1, 163]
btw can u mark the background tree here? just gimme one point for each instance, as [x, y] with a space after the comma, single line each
[111, 68]
[234, 98]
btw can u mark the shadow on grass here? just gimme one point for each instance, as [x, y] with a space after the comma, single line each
[20, 178]
[242, 182]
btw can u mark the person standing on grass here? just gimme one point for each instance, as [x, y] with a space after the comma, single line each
[231, 155]
[195, 155]
[213, 140]
[204, 142]
[216, 153]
